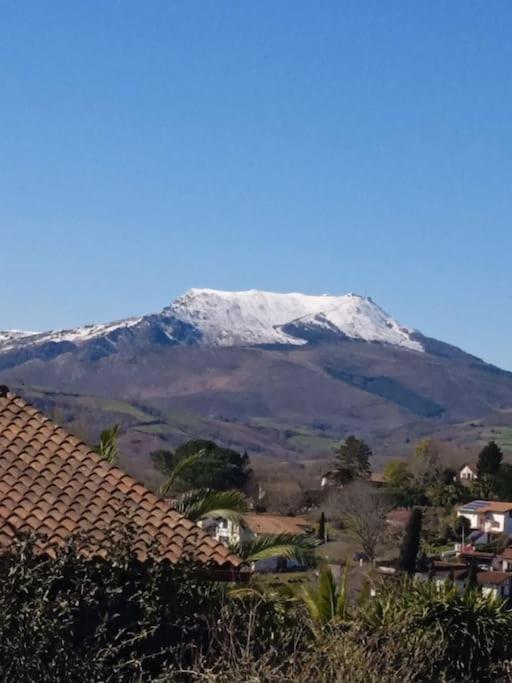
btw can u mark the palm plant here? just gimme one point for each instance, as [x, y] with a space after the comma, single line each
[294, 547]
[208, 503]
[328, 602]
[178, 470]
[108, 447]
[203, 503]
[473, 631]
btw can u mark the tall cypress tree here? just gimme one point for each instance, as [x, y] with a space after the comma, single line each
[471, 582]
[411, 543]
[321, 527]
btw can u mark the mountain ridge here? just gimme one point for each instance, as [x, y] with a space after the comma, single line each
[221, 318]
[271, 373]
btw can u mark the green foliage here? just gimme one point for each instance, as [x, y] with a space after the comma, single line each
[502, 482]
[397, 475]
[327, 602]
[297, 547]
[180, 469]
[489, 460]
[352, 460]
[426, 463]
[108, 447]
[75, 617]
[462, 528]
[218, 468]
[446, 495]
[475, 632]
[203, 503]
[163, 461]
[322, 528]
[411, 543]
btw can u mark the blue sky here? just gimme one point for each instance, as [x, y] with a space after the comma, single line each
[148, 147]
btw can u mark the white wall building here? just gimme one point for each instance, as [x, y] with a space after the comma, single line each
[488, 515]
[468, 473]
[255, 525]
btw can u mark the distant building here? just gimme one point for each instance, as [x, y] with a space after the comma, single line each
[468, 473]
[329, 479]
[497, 584]
[230, 533]
[506, 559]
[490, 516]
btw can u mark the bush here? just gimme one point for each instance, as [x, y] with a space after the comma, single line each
[73, 616]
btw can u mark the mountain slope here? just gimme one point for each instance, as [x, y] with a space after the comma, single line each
[213, 318]
[273, 373]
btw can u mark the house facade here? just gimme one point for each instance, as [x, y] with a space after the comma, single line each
[495, 584]
[489, 516]
[468, 473]
[232, 533]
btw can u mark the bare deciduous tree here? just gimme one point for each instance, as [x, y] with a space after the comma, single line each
[363, 511]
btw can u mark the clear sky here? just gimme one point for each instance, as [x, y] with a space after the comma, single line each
[333, 146]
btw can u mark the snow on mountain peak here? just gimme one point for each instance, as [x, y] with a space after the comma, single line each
[247, 318]
[257, 317]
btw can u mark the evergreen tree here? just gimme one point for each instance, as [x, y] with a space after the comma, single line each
[411, 543]
[489, 460]
[218, 468]
[471, 583]
[352, 460]
[321, 528]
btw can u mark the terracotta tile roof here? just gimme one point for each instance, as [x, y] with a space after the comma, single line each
[52, 483]
[492, 578]
[507, 554]
[377, 478]
[276, 524]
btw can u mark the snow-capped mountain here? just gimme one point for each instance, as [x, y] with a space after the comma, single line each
[259, 371]
[216, 318]
[256, 317]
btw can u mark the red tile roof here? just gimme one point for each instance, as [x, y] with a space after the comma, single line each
[492, 578]
[53, 484]
[276, 524]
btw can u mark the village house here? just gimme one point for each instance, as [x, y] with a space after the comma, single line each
[468, 473]
[254, 525]
[328, 479]
[506, 560]
[53, 485]
[496, 584]
[488, 516]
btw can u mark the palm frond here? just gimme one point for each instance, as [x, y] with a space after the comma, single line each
[290, 546]
[326, 602]
[108, 447]
[179, 468]
[196, 505]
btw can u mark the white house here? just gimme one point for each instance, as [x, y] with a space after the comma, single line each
[328, 479]
[468, 473]
[489, 516]
[255, 525]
